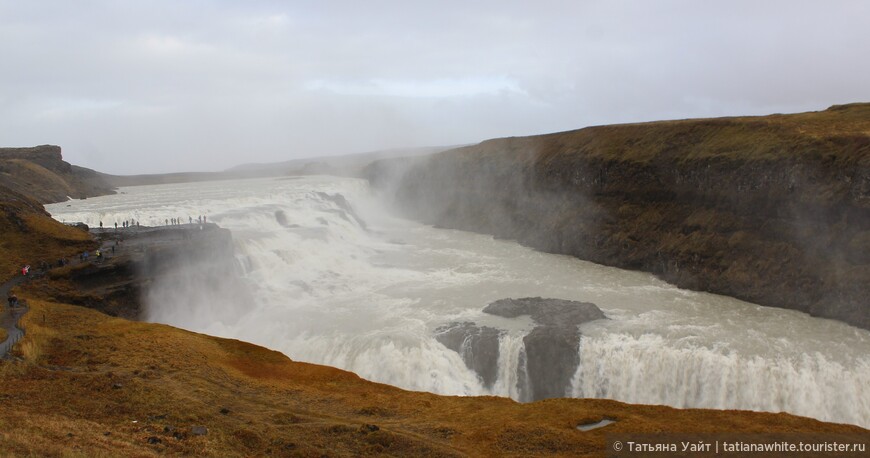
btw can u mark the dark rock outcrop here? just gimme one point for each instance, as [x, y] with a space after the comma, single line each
[47, 156]
[478, 346]
[773, 210]
[184, 259]
[281, 218]
[551, 356]
[558, 313]
[345, 211]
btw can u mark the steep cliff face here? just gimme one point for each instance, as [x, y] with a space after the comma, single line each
[41, 172]
[774, 210]
[177, 265]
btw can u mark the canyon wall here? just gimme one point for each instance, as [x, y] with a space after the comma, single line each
[774, 210]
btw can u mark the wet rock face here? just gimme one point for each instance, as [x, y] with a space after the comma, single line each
[478, 346]
[551, 360]
[192, 264]
[551, 354]
[281, 218]
[552, 347]
[345, 210]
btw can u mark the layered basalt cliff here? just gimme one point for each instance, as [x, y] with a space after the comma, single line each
[41, 173]
[774, 210]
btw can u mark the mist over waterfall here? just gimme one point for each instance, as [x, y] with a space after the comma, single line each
[331, 277]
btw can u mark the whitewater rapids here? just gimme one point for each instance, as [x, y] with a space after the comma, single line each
[337, 280]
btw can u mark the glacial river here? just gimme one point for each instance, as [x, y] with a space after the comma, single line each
[343, 282]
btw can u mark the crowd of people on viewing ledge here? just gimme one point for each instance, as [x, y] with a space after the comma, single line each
[201, 219]
[99, 255]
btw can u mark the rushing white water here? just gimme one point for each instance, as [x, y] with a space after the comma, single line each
[359, 289]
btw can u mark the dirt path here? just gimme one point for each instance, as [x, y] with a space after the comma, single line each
[9, 317]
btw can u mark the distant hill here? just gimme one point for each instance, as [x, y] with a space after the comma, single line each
[346, 165]
[41, 173]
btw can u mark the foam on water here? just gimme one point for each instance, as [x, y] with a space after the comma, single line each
[359, 289]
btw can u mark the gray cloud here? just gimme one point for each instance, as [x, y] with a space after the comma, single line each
[130, 87]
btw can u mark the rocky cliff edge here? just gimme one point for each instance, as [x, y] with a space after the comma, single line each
[41, 173]
[774, 210]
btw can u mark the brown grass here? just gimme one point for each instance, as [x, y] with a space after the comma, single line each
[84, 374]
[31, 236]
[35, 175]
[841, 131]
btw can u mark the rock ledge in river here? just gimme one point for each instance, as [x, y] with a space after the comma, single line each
[550, 356]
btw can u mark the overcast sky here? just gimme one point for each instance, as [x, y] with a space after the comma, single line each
[158, 86]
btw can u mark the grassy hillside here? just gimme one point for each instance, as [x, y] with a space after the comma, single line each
[30, 235]
[842, 130]
[41, 173]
